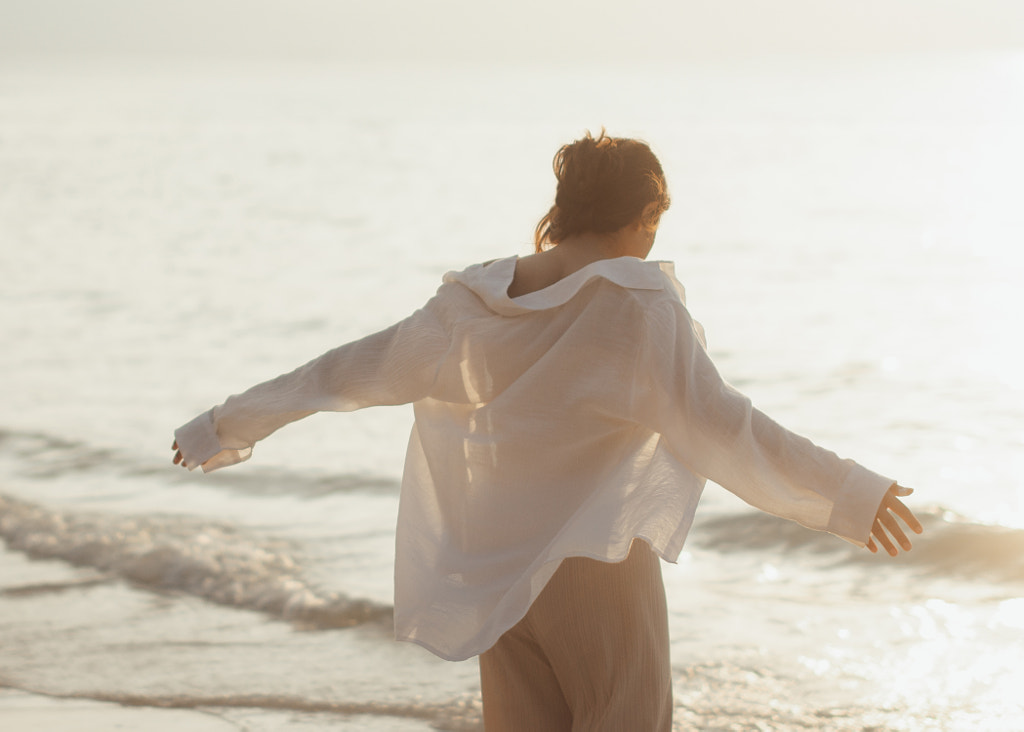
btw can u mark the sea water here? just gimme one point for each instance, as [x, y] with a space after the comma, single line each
[849, 234]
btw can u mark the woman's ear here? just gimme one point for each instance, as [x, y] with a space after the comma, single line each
[649, 217]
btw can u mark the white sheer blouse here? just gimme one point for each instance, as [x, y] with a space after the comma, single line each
[561, 423]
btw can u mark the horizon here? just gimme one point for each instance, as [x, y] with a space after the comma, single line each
[527, 32]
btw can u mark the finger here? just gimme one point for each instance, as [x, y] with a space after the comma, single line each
[882, 541]
[901, 491]
[879, 533]
[872, 547]
[904, 512]
[175, 445]
[895, 530]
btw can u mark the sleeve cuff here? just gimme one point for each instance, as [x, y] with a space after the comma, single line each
[853, 513]
[200, 447]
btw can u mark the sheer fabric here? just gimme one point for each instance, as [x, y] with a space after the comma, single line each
[561, 423]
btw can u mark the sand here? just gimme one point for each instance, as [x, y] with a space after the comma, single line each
[24, 712]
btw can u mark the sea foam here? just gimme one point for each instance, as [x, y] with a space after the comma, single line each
[219, 563]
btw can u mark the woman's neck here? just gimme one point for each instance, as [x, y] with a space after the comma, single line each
[537, 271]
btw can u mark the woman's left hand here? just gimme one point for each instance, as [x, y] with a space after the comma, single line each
[890, 509]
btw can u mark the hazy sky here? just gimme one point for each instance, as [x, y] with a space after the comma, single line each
[467, 30]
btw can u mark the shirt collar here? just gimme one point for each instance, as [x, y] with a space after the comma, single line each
[490, 281]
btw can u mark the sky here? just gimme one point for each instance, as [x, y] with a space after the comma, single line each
[482, 31]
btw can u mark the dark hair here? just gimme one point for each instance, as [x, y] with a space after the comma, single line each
[604, 184]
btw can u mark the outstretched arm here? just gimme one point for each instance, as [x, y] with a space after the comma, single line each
[716, 432]
[886, 528]
[395, 366]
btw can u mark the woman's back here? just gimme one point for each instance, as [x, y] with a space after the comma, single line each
[526, 448]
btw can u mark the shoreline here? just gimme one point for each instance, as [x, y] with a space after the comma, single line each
[26, 711]
[29, 711]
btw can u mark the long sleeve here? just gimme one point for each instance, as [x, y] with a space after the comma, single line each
[717, 433]
[395, 366]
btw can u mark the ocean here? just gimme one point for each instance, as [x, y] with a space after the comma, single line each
[849, 233]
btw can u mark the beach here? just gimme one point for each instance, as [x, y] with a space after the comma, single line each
[172, 233]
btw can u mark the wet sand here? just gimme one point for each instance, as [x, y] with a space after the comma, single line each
[22, 711]
[26, 712]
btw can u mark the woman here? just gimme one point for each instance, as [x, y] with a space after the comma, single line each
[567, 417]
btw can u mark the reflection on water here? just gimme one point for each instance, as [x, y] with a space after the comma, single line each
[849, 236]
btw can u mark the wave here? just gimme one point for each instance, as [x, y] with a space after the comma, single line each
[42, 456]
[219, 563]
[951, 544]
[48, 456]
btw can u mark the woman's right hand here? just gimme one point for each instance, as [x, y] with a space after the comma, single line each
[178, 457]
[886, 528]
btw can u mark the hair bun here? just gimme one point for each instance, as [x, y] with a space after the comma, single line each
[604, 184]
